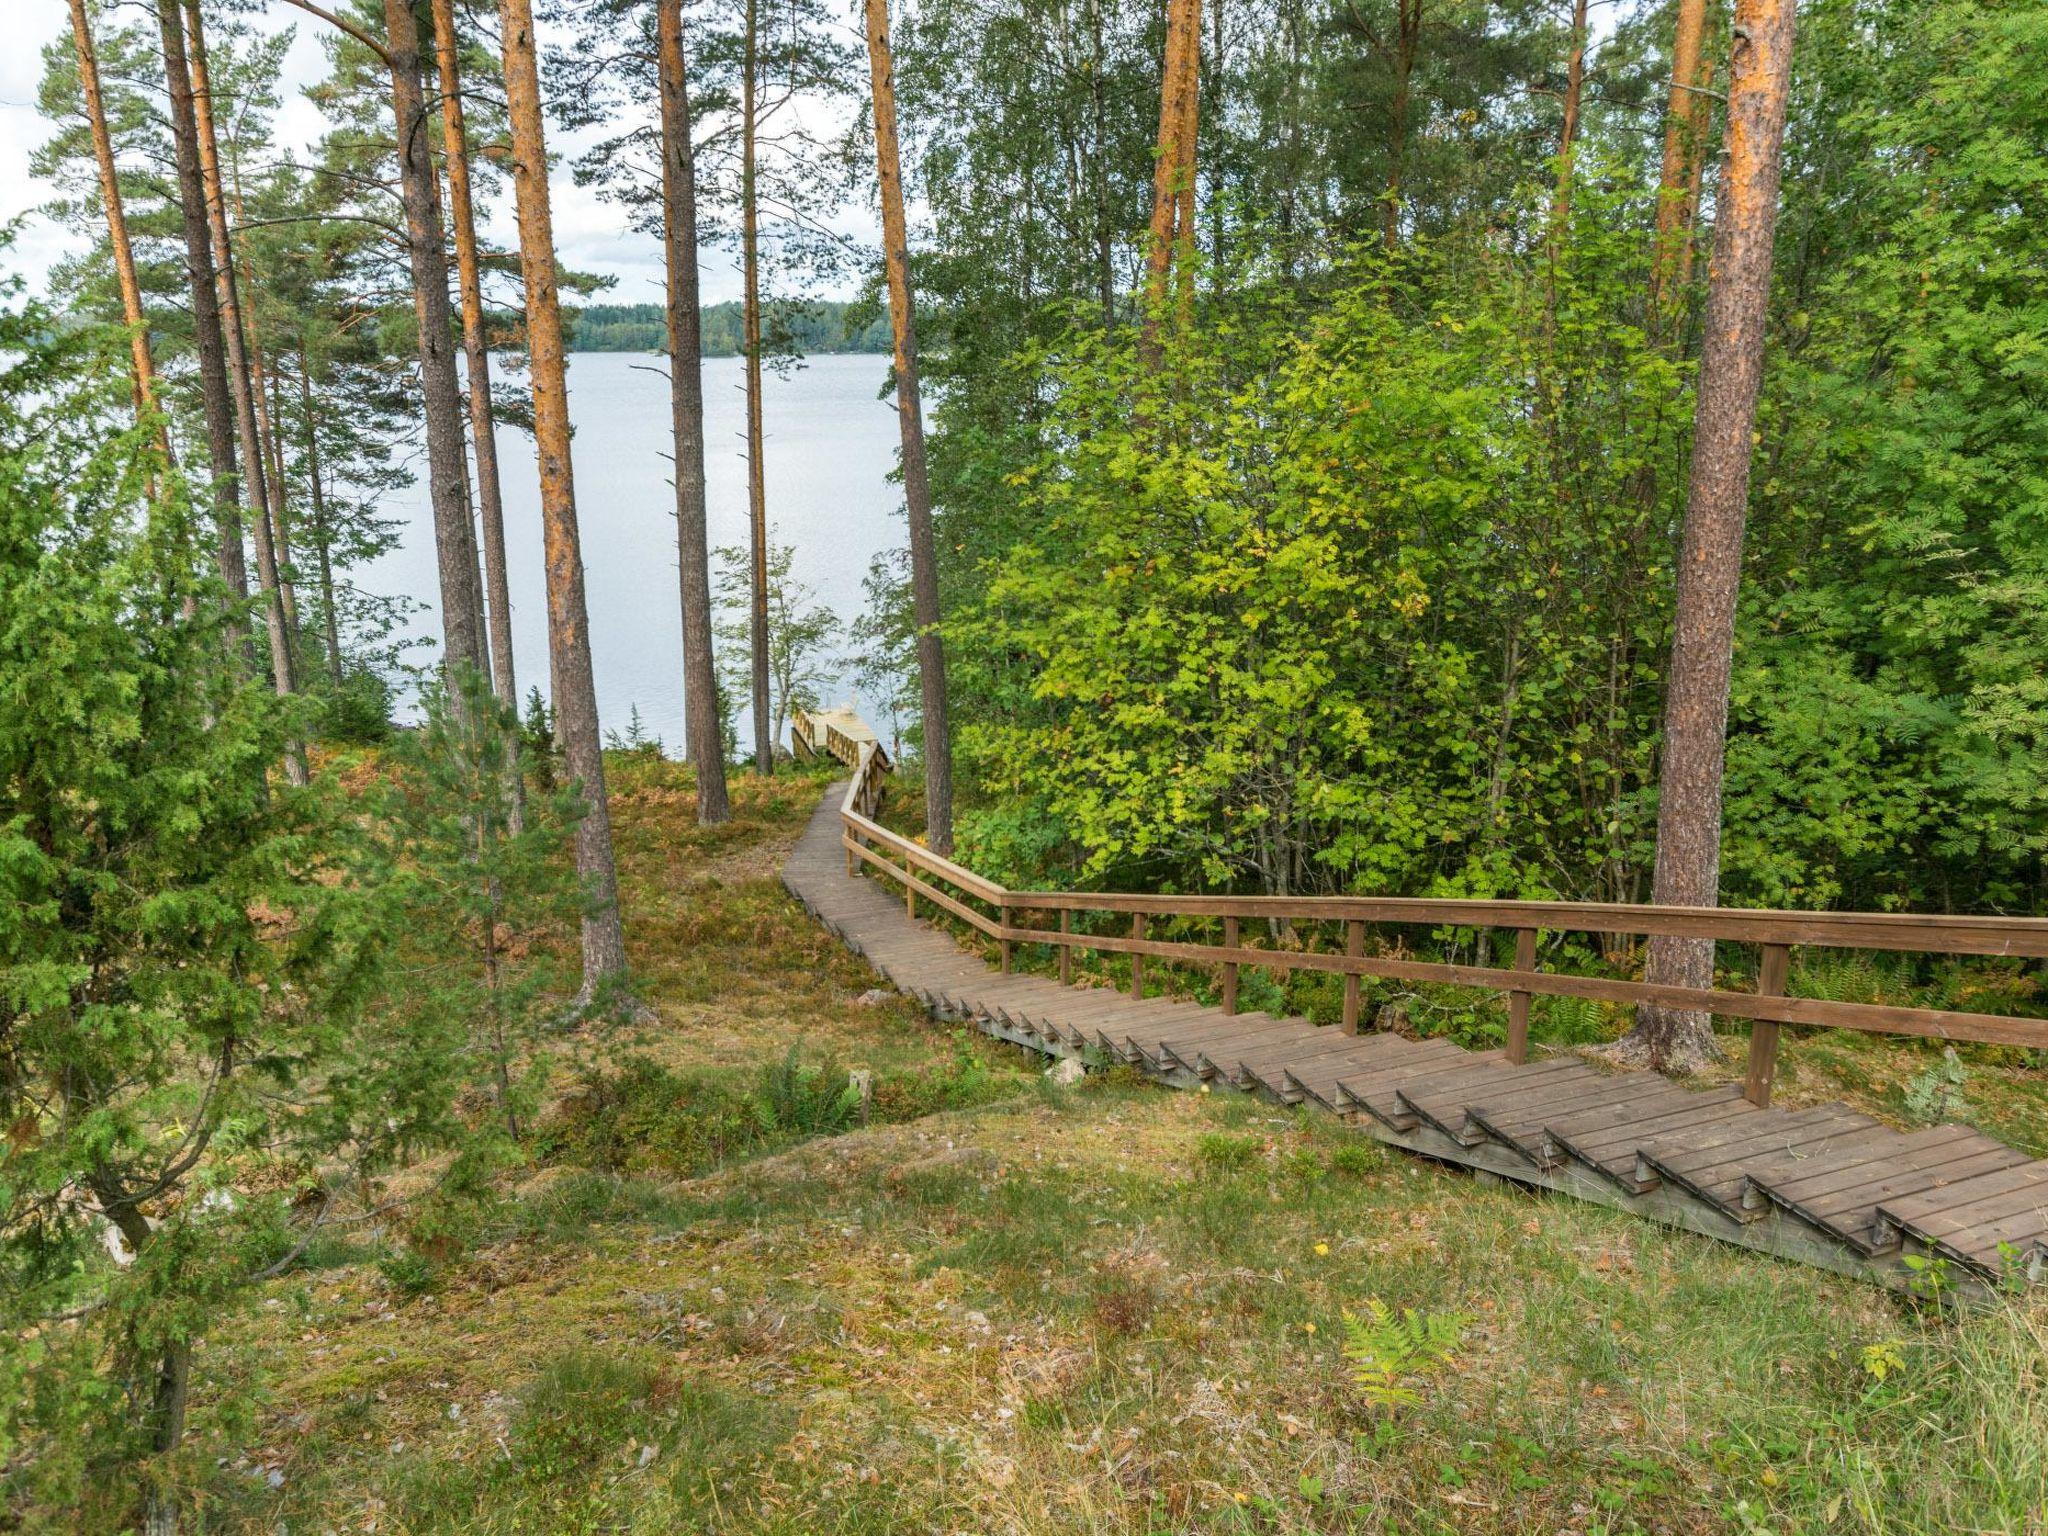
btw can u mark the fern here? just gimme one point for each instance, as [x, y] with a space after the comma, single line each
[807, 1100]
[1388, 1351]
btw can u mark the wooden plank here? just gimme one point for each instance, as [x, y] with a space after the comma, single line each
[1911, 932]
[1710, 1163]
[1597, 1122]
[1960, 1199]
[1878, 1018]
[1853, 1212]
[1515, 1115]
[1383, 1102]
[1927, 1149]
[1448, 1107]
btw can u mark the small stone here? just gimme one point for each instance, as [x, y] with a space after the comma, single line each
[874, 997]
[1066, 1072]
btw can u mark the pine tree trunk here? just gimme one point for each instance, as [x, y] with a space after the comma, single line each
[1685, 118]
[1710, 558]
[216, 403]
[323, 535]
[576, 722]
[1407, 44]
[757, 484]
[1179, 76]
[141, 364]
[271, 422]
[476, 355]
[462, 619]
[704, 740]
[1568, 132]
[248, 439]
[917, 490]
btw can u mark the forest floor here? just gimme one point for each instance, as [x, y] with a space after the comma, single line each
[1005, 1306]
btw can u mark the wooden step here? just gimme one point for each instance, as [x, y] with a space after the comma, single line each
[1710, 1162]
[1606, 1140]
[1382, 1099]
[1968, 1220]
[1447, 1106]
[1516, 1120]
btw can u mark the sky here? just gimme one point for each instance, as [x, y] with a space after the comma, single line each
[590, 235]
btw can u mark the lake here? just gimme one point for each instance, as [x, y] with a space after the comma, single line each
[831, 447]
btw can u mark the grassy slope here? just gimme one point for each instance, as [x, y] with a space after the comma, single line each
[1113, 1308]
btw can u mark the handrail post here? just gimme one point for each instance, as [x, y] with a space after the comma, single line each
[1137, 960]
[1763, 1033]
[1230, 966]
[1066, 950]
[1003, 944]
[1518, 1000]
[909, 887]
[1354, 949]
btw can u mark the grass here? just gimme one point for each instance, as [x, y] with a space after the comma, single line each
[999, 1305]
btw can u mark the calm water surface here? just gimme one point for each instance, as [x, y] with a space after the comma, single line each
[831, 446]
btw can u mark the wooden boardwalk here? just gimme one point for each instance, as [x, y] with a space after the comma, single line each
[1824, 1185]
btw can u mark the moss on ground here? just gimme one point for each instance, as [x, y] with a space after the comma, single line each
[1111, 1308]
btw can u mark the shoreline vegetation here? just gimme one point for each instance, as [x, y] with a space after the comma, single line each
[806, 327]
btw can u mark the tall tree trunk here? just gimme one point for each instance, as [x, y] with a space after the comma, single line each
[1179, 81]
[757, 485]
[216, 402]
[604, 946]
[1710, 559]
[1568, 132]
[263, 391]
[1689, 204]
[917, 489]
[1685, 118]
[142, 366]
[271, 423]
[462, 619]
[705, 741]
[476, 354]
[323, 535]
[1407, 44]
[248, 438]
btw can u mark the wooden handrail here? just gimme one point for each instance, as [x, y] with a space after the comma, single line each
[1776, 932]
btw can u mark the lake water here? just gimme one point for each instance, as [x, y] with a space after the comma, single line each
[831, 447]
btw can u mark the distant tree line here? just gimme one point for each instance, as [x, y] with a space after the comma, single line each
[820, 326]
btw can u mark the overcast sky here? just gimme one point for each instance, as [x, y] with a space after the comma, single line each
[591, 236]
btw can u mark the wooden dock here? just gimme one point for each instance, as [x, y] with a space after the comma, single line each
[1823, 1185]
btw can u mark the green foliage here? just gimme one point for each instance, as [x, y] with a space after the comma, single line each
[801, 632]
[809, 327]
[1936, 1094]
[479, 870]
[1273, 585]
[1221, 1149]
[797, 1098]
[181, 956]
[1390, 1352]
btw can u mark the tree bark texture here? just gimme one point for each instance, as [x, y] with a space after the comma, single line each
[1685, 120]
[705, 740]
[476, 355]
[575, 701]
[462, 620]
[757, 485]
[1173, 164]
[141, 364]
[216, 403]
[1710, 557]
[917, 490]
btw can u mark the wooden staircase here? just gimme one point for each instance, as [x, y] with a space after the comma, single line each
[1823, 1185]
